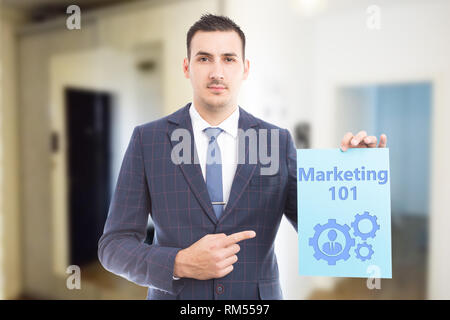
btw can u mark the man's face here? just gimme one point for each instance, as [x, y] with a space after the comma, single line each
[216, 68]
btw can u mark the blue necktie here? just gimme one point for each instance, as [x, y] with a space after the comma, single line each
[214, 170]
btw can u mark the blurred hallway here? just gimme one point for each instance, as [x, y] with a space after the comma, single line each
[318, 68]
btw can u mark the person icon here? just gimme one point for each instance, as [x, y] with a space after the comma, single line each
[332, 248]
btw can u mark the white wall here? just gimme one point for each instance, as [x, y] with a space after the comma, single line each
[10, 240]
[35, 50]
[166, 24]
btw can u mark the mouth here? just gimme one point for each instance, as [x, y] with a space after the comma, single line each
[217, 88]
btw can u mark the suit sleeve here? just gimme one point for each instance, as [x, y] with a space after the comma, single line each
[121, 248]
[290, 207]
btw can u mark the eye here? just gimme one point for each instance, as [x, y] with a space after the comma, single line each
[202, 58]
[230, 59]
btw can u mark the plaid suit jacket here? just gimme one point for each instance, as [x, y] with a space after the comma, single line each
[176, 197]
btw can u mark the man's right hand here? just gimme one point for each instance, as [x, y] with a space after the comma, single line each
[210, 257]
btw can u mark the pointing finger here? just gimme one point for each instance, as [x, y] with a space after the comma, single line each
[239, 236]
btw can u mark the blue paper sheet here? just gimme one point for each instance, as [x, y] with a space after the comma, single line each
[344, 213]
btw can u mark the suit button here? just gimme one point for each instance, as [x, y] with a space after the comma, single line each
[220, 289]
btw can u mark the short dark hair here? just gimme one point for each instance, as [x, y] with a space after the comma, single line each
[210, 22]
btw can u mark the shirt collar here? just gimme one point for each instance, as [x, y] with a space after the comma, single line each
[229, 125]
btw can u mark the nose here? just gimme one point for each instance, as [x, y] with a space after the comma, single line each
[217, 71]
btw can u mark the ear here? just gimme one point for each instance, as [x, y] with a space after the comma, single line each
[246, 69]
[186, 68]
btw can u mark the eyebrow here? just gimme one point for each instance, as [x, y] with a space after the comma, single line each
[228, 54]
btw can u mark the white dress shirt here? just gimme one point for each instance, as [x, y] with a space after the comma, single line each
[228, 145]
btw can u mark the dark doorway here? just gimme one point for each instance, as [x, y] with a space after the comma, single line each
[88, 115]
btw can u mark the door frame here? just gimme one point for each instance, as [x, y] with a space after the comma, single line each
[87, 69]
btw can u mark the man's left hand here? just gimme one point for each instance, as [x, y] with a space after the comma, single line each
[362, 140]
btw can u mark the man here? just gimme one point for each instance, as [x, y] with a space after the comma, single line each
[203, 208]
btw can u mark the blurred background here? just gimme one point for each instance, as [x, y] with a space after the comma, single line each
[70, 98]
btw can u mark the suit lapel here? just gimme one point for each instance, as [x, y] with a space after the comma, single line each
[192, 172]
[243, 171]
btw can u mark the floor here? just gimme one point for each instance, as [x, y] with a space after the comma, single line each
[111, 286]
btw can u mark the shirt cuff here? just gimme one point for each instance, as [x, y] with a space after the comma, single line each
[175, 278]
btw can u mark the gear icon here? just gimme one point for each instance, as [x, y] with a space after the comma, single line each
[358, 250]
[349, 242]
[373, 220]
